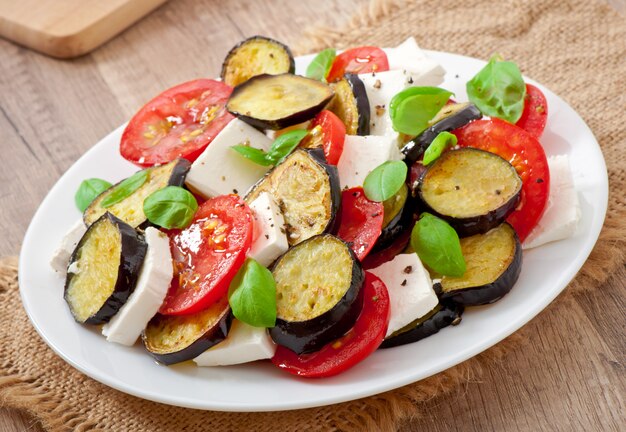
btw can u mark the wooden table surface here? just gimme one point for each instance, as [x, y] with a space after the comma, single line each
[570, 375]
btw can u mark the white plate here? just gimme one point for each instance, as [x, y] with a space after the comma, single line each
[260, 386]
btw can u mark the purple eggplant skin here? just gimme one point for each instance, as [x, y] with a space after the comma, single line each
[303, 337]
[402, 222]
[286, 121]
[362, 103]
[449, 314]
[134, 248]
[491, 292]
[415, 148]
[214, 335]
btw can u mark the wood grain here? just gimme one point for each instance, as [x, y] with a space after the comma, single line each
[569, 376]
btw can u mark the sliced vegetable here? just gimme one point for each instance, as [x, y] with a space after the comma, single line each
[277, 101]
[363, 339]
[358, 61]
[320, 65]
[351, 105]
[527, 156]
[449, 118]
[384, 181]
[252, 295]
[129, 206]
[398, 217]
[498, 90]
[361, 221]
[103, 270]
[437, 245]
[535, 114]
[444, 314]
[174, 339]
[254, 56]
[178, 123]
[170, 207]
[329, 132]
[88, 190]
[378, 257]
[413, 108]
[307, 191]
[471, 189]
[318, 292]
[494, 262]
[207, 254]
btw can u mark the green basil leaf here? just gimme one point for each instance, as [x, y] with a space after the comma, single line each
[441, 142]
[498, 90]
[320, 65]
[438, 246]
[255, 155]
[170, 207]
[284, 145]
[385, 180]
[88, 190]
[125, 188]
[414, 107]
[252, 295]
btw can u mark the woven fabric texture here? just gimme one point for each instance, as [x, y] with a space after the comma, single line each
[575, 47]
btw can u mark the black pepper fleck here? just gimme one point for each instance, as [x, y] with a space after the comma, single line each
[539, 180]
[408, 269]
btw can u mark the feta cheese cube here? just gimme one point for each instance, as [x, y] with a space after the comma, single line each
[270, 240]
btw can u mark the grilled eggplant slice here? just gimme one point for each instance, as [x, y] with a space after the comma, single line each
[450, 117]
[472, 189]
[318, 293]
[351, 105]
[444, 314]
[398, 218]
[307, 191]
[103, 270]
[256, 56]
[278, 101]
[130, 209]
[175, 338]
[494, 262]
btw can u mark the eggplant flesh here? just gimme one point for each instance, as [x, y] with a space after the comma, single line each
[307, 192]
[278, 101]
[444, 314]
[494, 262]
[254, 56]
[471, 189]
[103, 270]
[319, 293]
[450, 117]
[175, 338]
[130, 209]
[351, 105]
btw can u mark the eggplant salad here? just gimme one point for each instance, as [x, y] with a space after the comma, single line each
[312, 217]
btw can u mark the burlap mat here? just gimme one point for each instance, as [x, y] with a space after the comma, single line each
[577, 48]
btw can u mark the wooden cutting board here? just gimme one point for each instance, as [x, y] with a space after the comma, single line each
[69, 28]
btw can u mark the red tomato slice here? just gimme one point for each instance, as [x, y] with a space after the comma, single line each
[380, 257]
[535, 114]
[207, 254]
[333, 135]
[180, 122]
[362, 340]
[360, 221]
[357, 61]
[525, 153]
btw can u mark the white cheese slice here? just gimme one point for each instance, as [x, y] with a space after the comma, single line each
[243, 344]
[560, 219]
[152, 285]
[220, 170]
[361, 154]
[408, 56]
[61, 256]
[269, 241]
[410, 290]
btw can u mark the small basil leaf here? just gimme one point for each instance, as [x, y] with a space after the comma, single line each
[284, 145]
[125, 188]
[320, 65]
[498, 90]
[438, 245]
[385, 180]
[412, 108]
[88, 190]
[252, 295]
[170, 207]
[255, 155]
[441, 142]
